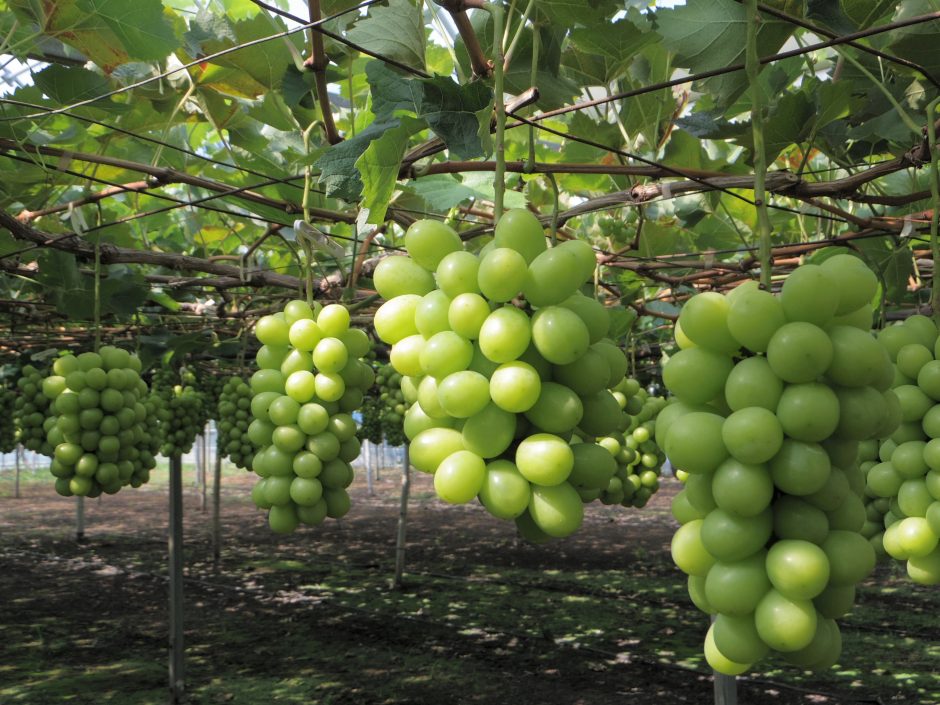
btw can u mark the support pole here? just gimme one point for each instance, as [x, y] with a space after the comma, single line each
[79, 519]
[216, 507]
[17, 457]
[402, 522]
[370, 452]
[175, 550]
[203, 502]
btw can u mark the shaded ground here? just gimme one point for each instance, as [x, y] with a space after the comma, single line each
[597, 619]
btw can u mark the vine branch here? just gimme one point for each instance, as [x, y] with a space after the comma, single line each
[317, 62]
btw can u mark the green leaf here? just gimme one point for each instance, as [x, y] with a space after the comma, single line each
[712, 34]
[205, 27]
[338, 172]
[621, 321]
[441, 192]
[451, 111]
[616, 44]
[572, 12]
[395, 31]
[266, 63]
[70, 84]
[139, 26]
[918, 42]
[379, 166]
[867, 13]
[832, 101]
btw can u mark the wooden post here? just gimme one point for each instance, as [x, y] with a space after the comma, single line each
[402, 520]
[216, 507]
[79, 519]
[175, 550]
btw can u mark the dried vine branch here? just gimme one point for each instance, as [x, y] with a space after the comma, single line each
[458, 11]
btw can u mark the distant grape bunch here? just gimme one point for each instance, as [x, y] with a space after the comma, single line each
[311, 379]
[31, 412]
[234, 417]
[181, 410]
[774, 396]
[7, 408]
[393, 405]
[509, 375]
[903, 473]
[101, 431]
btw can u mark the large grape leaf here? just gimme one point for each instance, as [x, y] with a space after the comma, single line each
[108, 32]
[712, 34]
[918, 42]
[338, 172]
[395, 31]
[451, 110]
[379, 165]
[265, 64]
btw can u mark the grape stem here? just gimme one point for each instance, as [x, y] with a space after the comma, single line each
[752, 68]
[499, 181]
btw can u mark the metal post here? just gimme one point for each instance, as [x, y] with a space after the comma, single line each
[216, 507]
[725, 687]
[369, 452]
[402, 519]
[175, 549]
[203, 504]
[17, 455]
[79, 519]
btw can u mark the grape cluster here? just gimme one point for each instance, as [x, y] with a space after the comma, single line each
[7, 407]
[101, 433]
[905, 485]
[31, 413]
[772, 509]
[181, 410]
[639, 459]
[392, 404]
[234, 416]
[508, 393]
[311, 379]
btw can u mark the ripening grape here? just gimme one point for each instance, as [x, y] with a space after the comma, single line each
[310, 379]
[182, 410]
[775, 449]
[507, 385]
[7, 429]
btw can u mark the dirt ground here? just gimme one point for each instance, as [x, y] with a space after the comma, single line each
[596, 619]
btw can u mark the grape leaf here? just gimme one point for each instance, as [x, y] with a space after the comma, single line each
[395, 31]
[338, 172]
[139, 26]
[918, 42]
[70, 84]
[441, 192]
[379, 165]
[712, 34]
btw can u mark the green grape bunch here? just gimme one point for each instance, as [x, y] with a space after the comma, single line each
[233, 417]
[101, 429]
[371, 428]
[392, 404]
[311, 378]
[7, 408]
[777, 401]
[31, 412]
[508, 379]
[903, 471]
[182, 410]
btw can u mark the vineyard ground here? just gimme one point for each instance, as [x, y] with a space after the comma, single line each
[597, 619]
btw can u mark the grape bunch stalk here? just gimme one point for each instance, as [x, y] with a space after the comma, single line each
[311, 379]
[507, 370]
[773, 397]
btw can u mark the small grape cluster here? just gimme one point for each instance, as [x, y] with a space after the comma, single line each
[31, 412]
[508, 371]
[182, 410]
[905, 485]
[392, 404]
[311, 379]
[7, 407]
[101, 432]
[371, 428]
[772, 509]
[234, 416]
[639, 460]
